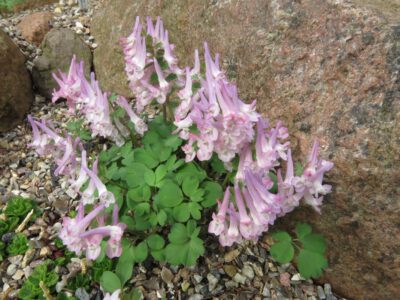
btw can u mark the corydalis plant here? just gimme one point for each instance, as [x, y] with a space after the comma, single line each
[152, 172]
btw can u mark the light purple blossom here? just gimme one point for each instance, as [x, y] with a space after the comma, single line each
[140, 125]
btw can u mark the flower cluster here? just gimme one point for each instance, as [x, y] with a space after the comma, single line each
[211, 118]
[77, 237]
[88, 98]
[75, 234]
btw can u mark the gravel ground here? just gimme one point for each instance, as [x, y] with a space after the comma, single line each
[242, 272]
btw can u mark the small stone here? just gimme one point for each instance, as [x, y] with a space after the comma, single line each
[27, 271]
[231, 255]
[284, 279]
[58, 10]
[248, 271]
[230, 284]
[29, 255]
[296, 277]
[15, 260]
[81, 294]
[320, 292]
[44, 252]
[18, 275]
[230, 270]
[196, 297]
[94, 45]
[185, 286]
[266, 292]
[197, 278]
[166, 275]
[239, 278]
[11, 269]
[79, 25]
[212, 282]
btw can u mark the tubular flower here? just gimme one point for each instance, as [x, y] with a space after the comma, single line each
[77, 237]
[70, 84]
[140, 125]
[309, 184]
[217, 225]
[105, 197]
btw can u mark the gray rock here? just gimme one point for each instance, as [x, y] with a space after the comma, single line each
[11, 269]
[16, 94]
[81, 294]
[212, 282]
[239, 278]
[230, 284]
[58, 46]
[196, 297]
[248, 271]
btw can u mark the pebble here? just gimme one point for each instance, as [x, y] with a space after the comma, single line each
[166, 275]
[239, 278]
[196, 297]
[198, 278]
[81, 294]
[266, 292]
[212, 282]
[231, 255]
[11, 269]
[18, 275]
[231, 284]
[320, 292]
[15, 260]
[29, 255]
[248, 271]
[230, 270]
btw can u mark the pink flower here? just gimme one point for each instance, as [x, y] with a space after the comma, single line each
[217, 225]
[310, 183]
[106, 197]
[113, 296]
[70, 85]
[140, 125]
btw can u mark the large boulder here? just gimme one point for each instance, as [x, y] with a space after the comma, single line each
[58, 46]
[329, 69]
[16, 94]
[34, 26]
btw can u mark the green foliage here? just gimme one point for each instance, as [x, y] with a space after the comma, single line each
[18, 207]
[9, 4]
[18, 245]
[310, 256]
[77, 129]
[110, 282]
[31, 287]
[158, 193]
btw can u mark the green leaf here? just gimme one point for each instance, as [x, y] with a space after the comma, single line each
[138, 194]
[110, 282]
[160, 173]
[3, 227]
[314, 242]
[195, 210]
[217, 165]
[181, 212]
[282, 252]
[171, 77]
[155, 242]
[141, 252]
[162, 217]
[190, 185]
[124, 268]
[184, 249]
[174, 141]
[144, 157]
[311, 264]
[274, 179]
[197, 195]
[302, 230]
[142, 209]
[298, 169]
[154, 79]
[191, 170]
[282, 236]
[169, 195]
[150, 177]
[134, 174]
[178, 234]
[213, 192]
